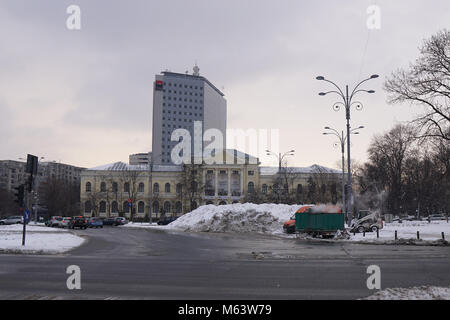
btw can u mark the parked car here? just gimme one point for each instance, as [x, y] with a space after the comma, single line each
[64, 223]
[54, 221]
[95, 223]
[11, 220]
[78, 222]
[434, 217]
[166, 220]
[115, 221]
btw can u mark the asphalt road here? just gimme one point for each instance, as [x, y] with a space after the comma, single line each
[125, 263]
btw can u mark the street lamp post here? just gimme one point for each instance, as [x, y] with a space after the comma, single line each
[342, 140]
[347, 102]
[280, 156]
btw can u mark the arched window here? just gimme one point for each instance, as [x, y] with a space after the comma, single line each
[222, 203]
[264, 189]
[87, 207]
[126, 208]
[103, 187]
[88, 187]
[126, 187]
[209, 202]
[178, 207]
[167, 188]
[115, 187]
[114, 207]
[155, 206]
[179, 188]
[102, 207]
[156, 187]
[299, 189]
[141, 206]
[167, 207]
[251, 187]
[141, 187]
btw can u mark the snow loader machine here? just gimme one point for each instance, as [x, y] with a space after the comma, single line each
[366, 221]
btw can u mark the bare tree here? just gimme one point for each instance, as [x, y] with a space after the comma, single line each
[129, 179]
[192, 184]
[427, 83]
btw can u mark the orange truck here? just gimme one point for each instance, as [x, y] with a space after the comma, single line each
[289, 226]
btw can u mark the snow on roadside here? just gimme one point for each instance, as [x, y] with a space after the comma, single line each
[407, 230]
[38, 240]
[237, 218]
[415, 293]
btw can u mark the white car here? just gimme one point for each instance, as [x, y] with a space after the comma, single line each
[64, 223]
[11, 220]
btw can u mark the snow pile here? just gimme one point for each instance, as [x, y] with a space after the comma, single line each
[237, 218]
[415, 293]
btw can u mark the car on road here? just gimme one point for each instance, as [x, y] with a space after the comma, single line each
[11, 220]
[95, 223]
[115, 221]
[78, 222]
[166, 220]
[54, 221]
[64, 223]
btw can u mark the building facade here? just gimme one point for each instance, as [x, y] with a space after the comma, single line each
[120, 189]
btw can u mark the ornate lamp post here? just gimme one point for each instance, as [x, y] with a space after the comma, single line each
[347, 102]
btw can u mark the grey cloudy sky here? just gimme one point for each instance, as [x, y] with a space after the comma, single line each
[85, 97]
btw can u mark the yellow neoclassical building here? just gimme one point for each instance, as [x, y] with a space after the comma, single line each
[138, 190]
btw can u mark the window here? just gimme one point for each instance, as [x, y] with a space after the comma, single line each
[178, 207]
[155, 207]
[126, 208]
[251, 187]
[299, 189]
[114, 207]
[87, 207]
[141, 187]
[126, 187]
[156, 188]
[264, 189]
[103, 187]
[141, 206]
[102, 207]
[179, 188]
[115, 187]
[88, 187]
[167, 207]
[167, 188]
[251, 173]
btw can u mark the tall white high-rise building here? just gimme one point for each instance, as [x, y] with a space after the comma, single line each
[178, 101]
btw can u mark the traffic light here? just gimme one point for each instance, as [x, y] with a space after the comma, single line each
[20, 194]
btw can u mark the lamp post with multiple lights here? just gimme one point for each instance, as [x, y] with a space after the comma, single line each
[280, 157]
[342, 140]
[347, 102]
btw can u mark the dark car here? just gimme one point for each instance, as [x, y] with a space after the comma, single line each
[78, 222]
[166, 220]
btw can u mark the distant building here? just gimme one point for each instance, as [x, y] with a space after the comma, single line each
[106, 190]
[178, 101]
[12, 173]
[140, 158]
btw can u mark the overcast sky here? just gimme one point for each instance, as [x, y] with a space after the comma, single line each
[84, 97]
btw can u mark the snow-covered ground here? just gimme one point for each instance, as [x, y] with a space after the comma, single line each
[407, 230]
[39, 239]
[269, 219]
[415, 293]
